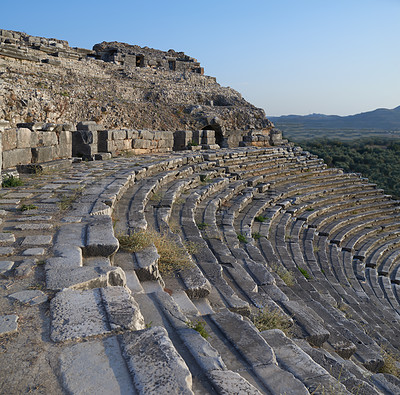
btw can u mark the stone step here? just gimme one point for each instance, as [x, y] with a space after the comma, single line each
[301, 365]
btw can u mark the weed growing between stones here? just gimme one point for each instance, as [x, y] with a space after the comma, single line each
[272, 319]
[26, 207]
[255, 235]
[11, 181]
[156, 196]
[173, 256]
[202, 225]
[66, 200]
[260, 218]
[286, 276]
[198, 326]
[305, 273]
[390, 364]
[241, 238]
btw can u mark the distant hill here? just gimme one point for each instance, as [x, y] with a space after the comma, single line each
[376, 122]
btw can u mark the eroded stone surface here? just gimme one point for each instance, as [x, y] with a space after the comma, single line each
[37, 240]
[81, 314]
[231, 383]
[8, 324]
[155, 364]
[95, 367]
[31, 297]
[5, 266]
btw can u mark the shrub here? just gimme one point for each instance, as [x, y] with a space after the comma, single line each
[256, 235]
[11, 181]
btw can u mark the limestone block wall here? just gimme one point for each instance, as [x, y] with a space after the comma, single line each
[35, 143]
[40, 142]
[135, 141]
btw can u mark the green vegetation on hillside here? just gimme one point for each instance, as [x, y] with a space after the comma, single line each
[376, 158]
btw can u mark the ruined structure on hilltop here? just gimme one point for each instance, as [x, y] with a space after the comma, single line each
[133, 55]
[120, 86]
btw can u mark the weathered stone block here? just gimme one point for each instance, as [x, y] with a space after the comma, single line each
[146, 135]
[165, 144]
[43, 154]
[132, 134]
[141, 144]
[94, 367]
[3, 124]
[84, 143]
[18, 156]
[34, 139]
[181, 139]
[89, 126]
[9, 139]
[65, 144]
[47, 138]
[119, 134]
[154, 362]
[23, 138]
[119, 145]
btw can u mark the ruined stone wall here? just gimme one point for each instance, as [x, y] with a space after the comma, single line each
[35, 143]
[38, 142]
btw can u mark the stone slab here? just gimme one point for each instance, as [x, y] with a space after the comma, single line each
[35, 218]
[34, 252]
[245, 338]
[146, 263]
[155, 364]
[5, 266]
[19, 195]
[7, 238]
[31, 297]
[25, 268]
[4, 251]
[100, 239]
[231, 383]
[60, 276]
[8, 324]
[37, 240]
[80, 314]
[95, 367]
[33, 227]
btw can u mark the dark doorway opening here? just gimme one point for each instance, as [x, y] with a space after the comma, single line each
[139, 60]
[172, 65]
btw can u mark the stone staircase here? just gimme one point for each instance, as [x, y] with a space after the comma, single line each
[273, 230]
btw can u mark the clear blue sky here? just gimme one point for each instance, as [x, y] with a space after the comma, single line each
[286, 56]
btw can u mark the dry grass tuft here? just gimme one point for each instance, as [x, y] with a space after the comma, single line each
[272, 319]
[173, 256]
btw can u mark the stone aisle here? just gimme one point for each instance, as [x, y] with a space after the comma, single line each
[31, 215]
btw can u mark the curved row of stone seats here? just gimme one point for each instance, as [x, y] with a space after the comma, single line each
[241, 276]
[321, 251]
